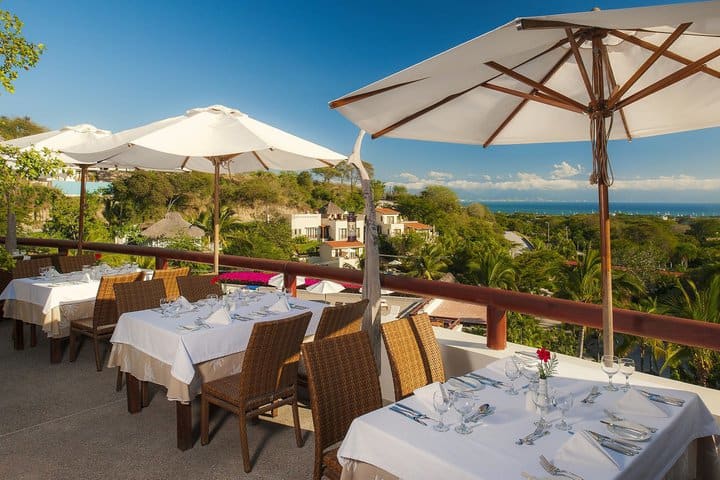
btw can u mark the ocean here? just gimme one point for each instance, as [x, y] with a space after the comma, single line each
[630, 208]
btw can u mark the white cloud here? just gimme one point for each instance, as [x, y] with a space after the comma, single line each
[440, 175]
[670, 183]
[408, 177]
[565, 170]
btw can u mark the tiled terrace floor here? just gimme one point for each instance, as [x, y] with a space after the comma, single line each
[65, 421]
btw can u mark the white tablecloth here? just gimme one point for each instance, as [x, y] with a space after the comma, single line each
[411, 451]
[161, 338]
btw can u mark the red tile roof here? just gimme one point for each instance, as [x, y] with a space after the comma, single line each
[386, 211]
[344, 244]
[417, 226]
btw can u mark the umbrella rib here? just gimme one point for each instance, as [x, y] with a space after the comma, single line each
[257, 156]
[614, 85]
[341, 102]
[524, 101]
[537, 97]
[669, 54]
[671, 79]
[581, 66]
[536, 85]
[647, 64]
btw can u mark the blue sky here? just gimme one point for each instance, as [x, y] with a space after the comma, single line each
[122, 64]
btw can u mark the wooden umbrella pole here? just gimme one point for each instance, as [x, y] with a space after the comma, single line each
[81, 219]
[216, 217]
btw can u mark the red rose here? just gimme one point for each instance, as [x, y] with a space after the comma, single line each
[98, 256]
[543, 354]
[214, 280]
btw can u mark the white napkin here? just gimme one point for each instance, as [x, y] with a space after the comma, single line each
[634, 403]
[425, 394]
[280, 306]
[582, 450]
[86, 278]
[219, 317]
[183, 305]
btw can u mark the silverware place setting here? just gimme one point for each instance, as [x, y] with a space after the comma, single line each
[594, 393]
[666, 399]
[538, 433]
[619, 418]
[550, 468]
[615, 444]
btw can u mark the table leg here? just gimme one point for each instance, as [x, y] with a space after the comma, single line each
[19, 335]
[33, 335]
[144, 394]
[184, 425]
[56, 351]
[132, 390]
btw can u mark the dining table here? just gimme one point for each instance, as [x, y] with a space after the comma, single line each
[53, 301]
[181, 350]
[388, 443]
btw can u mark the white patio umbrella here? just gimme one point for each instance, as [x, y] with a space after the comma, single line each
[212, 139]
[325, 287]
[278, 281]
[58, 140]
[644, 71]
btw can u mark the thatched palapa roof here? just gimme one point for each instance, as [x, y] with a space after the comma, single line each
[171, 226]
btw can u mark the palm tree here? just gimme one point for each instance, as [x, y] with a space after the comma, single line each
[229, 223]
[429, 263]
[492, 269]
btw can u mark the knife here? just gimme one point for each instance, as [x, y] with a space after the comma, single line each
[655, 397]
[465, 382]
[639, 432]
[407, 414]
[486, 380]
[615, 444]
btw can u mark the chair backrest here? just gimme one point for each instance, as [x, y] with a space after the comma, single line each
[169, 276]
[134, 296]
[75, 263]
[343, 382]
[341, 320]
[429, 348]
[197, 287]
[270, 361]
[30, 268]
[105, 311]
[406, 360]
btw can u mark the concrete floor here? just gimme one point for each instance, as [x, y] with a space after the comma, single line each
[66, 421]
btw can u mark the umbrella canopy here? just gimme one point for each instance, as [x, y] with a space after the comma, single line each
[593, 76]
[278, 281]
[325, 287]
[62, 139]
[212, 140]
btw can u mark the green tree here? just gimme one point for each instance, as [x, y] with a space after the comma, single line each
[263, 240]
[228, 221]
[63, 222]
[16, 127]
[428, 263]
[492, 269]
[16, 52]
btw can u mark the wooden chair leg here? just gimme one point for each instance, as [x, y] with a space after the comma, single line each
[119, 380]
[96, 346]
[244, 442]
[296, 422]
[33, 335]
[144, 394]
[73, 345]
[204, 420]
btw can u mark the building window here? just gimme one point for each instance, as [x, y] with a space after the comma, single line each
[343, 233]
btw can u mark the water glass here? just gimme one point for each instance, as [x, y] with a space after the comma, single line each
[512, 372]
[543, 400]
[627, 368]
[164, 307]
[464, 403]
[564, 401]
[610, 364]
[441, 402]
[212, 300]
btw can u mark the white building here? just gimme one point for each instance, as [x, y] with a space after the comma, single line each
[341, 254]
[306, 225]
[391, 224]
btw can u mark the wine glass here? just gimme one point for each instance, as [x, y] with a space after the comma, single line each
[441, 403]
[164, 306]
[464, 403]
[627, 368]
[212, 300]
[610, 364]
[542, 400]
[564, 402]
[512, 372]
[530, 373]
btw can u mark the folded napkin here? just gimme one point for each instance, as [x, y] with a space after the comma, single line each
[634, 403]
[425, 394]
[280, 306]
[87, 278]
[183, 305]
[582, 450]
[219, 317]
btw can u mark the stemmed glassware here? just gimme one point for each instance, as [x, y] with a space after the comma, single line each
[512, 372]
[542, 400]
[564, 401]
[464, 403]
[212, 300]
[610, 364]
[164, 306]
[441, 402]
[627, 368]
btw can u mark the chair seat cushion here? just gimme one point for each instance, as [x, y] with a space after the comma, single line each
[226, 388]
[333, 469]
[87, 325]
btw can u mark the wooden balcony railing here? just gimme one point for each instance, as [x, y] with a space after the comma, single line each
[672, 329]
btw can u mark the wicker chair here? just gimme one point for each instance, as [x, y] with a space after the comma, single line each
[266, 382]
[169, 276]
[26, 269]
[429, 348]
[131, 297]
[74, 264]
[406, 359]
[197, 287]
[102, 324]
[344, 384]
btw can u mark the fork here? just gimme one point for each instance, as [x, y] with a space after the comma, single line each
[553, 470]
[594, 392]
[619, 418]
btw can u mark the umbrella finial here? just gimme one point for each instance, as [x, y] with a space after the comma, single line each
[596, 9]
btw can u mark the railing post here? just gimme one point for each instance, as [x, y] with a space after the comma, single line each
[161, 263]
[62, 251]
[496, 328]
[290, 282]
